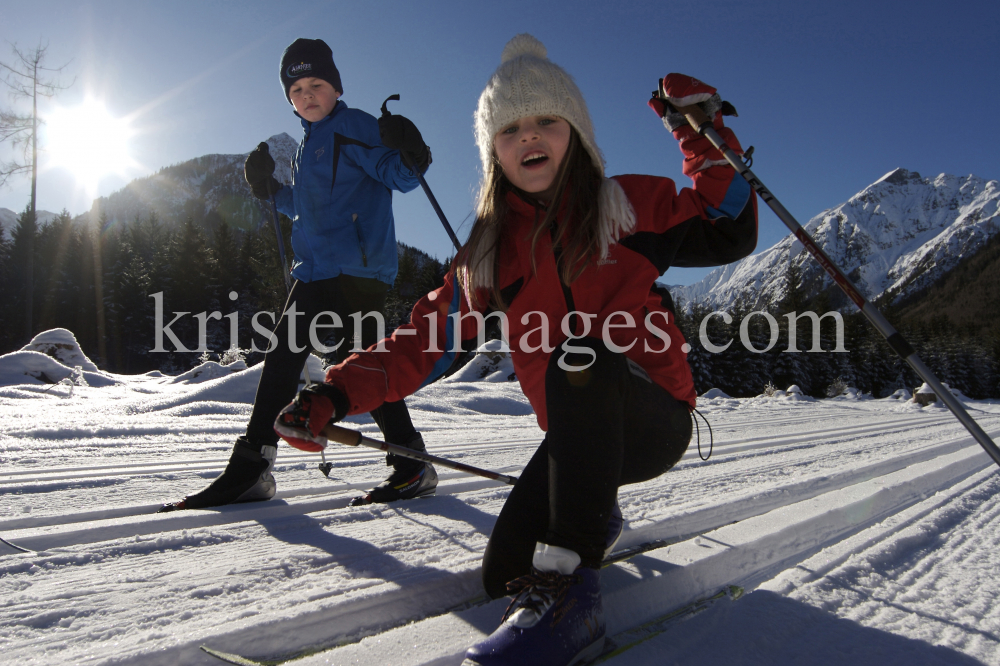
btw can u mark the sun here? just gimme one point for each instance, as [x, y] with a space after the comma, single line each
[89, 142]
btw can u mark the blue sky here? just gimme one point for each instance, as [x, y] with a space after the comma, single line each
[833, 96]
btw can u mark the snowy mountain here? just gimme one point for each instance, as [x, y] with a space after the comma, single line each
[896, 236]
[210, 182]
[8, 220]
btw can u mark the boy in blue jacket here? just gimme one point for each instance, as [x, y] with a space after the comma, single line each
[344, 240]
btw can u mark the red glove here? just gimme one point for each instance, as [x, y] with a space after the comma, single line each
[301, 423]
[678, 90]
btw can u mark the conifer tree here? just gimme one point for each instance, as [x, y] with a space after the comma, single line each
[24, 265]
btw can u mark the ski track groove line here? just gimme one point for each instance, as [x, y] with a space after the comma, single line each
[723, 447]
[69, 533]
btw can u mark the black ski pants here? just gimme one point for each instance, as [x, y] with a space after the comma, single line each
[279, 380]
[609, 426]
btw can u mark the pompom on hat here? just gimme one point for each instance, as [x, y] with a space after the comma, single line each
[527, 83]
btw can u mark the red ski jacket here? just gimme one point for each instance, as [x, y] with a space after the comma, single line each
[711, 224]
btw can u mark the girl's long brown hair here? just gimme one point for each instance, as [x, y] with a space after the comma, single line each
[576, 231]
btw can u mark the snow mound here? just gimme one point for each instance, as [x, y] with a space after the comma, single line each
[792, 394]
[31, 367]
[207, 371]
[713, 393]
[61, 345]
[926, 390]
[900, 394]
[851, 393]
[492, 363]
[231, 385]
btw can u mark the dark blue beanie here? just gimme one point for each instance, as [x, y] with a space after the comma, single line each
[308, 58]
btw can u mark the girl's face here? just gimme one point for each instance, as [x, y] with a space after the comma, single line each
[530, 151]
[313, 98]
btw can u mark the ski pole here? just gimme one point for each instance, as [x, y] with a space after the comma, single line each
[350, 437]
[423, 183]
[288, 278]
[281, 246]
[698, 119]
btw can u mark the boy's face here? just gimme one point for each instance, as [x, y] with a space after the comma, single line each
[530, 151]
[313, 98]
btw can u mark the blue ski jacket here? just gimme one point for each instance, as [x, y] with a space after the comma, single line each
[340, 200]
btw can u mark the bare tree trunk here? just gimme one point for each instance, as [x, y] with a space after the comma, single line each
[29, 313]
[18, 129]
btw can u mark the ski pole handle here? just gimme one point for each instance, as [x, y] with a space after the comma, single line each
[341, 435]
[412, 165]
[695, 116]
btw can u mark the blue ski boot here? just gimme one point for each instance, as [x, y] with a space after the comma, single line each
[555, 618]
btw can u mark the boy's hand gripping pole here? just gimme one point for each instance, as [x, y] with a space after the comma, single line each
[423, 183]
[341, 435]
[703, 124]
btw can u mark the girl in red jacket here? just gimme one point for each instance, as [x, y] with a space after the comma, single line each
[568, 260]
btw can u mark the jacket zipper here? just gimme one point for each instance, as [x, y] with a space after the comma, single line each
[567, 292]
[361, 240]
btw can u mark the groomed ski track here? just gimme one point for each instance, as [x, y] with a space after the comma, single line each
[794, 490]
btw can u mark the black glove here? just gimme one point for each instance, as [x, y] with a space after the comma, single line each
[399, 133]
[259, 172]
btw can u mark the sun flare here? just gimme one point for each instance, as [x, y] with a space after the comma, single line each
[89, 142]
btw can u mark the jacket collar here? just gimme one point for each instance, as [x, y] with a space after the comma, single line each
[308, 127]
[523, 204]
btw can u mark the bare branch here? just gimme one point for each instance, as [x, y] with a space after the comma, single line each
[23, 79]
[24, 72]
[11, 169]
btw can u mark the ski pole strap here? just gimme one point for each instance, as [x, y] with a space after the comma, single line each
[711, 435]
[341, 435]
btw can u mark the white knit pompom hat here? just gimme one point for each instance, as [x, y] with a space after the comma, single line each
[527, 83]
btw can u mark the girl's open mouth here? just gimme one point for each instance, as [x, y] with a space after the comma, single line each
[534, 159]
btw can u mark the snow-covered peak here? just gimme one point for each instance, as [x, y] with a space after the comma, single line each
[210, 182]
[282, 142]
[8, 220]
[897, 235]
[898, 176]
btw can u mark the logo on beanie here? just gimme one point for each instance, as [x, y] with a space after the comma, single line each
[297, 70]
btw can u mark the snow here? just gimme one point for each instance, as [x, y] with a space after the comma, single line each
[864, 531]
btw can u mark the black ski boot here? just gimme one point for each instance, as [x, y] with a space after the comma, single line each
[247, 478]
[410, 478]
